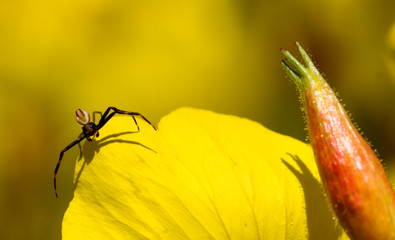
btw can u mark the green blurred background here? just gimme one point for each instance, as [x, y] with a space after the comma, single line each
[155, 56]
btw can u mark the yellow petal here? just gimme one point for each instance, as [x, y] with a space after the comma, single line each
[202, 175]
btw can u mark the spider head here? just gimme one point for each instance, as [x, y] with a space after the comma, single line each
[82, 116]
[89, 129]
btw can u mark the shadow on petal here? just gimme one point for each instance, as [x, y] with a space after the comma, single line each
[320, 219]
[93, 147]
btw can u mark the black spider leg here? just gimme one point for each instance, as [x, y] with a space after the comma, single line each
[96, 112]
[75, 142]
[94, 120]
[106, 117]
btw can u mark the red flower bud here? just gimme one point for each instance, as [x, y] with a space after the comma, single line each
[353, 178]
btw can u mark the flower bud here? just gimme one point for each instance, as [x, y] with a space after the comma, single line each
[353, 178]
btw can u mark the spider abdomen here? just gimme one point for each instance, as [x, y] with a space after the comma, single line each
[82, 116]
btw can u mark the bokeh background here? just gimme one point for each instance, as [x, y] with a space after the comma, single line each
[155, 56]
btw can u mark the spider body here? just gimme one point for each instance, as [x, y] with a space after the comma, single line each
[91, 129]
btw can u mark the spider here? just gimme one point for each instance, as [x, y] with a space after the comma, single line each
[90, 129]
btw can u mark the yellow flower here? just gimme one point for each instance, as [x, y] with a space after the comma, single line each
[202, 175]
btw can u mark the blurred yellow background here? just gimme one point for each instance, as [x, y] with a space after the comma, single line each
[155, 56]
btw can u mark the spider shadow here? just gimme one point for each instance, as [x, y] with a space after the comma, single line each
[90, 148]
[319, 216]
